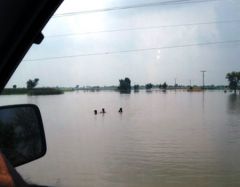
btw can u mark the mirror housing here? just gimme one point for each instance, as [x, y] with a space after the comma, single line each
[22, 137]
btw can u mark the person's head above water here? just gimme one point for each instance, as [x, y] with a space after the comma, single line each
[120, 110]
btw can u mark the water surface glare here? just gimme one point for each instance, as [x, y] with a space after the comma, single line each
[161, 139]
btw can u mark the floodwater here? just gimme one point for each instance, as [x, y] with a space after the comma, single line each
[161, 139]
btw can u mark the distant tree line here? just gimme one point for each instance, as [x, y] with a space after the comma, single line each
[125, 86]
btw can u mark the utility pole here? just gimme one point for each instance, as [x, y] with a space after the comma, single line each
[203, 79]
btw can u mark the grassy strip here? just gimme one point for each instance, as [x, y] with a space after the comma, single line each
[16, 91]
[35, 91]
[45, 91]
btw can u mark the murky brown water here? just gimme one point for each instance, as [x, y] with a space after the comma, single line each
[161, 139]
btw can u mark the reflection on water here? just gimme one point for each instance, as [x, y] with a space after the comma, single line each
[234, 103]
[160, 139]
[203, 101]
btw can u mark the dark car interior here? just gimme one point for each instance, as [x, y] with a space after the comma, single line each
[21, 25]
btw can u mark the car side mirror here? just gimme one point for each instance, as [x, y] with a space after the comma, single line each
[22, 137]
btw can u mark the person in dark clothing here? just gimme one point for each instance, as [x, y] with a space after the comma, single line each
[103, 111]
[120, 110]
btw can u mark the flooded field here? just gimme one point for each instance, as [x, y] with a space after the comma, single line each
[161, 139]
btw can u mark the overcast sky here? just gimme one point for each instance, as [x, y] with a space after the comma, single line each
[78, 34]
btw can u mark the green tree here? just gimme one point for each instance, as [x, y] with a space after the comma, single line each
[32, 83]
[125, 85]
[233, 79]
[164, 86]
[149, 86]
[14, 86]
